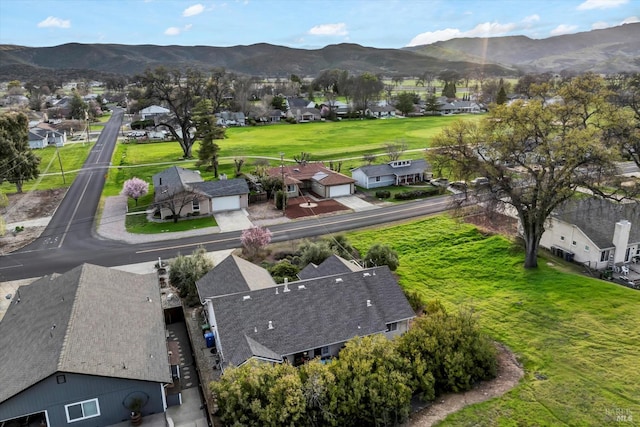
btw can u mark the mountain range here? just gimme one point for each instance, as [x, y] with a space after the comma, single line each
[610, 50]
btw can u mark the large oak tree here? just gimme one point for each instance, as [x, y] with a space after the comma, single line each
[535, 154]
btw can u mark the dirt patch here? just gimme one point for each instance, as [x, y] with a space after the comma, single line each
[300, 207]
[509, 374]
[492, 223]
[24, 207]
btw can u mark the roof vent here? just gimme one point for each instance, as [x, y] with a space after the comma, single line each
[148, 299]
[270, 325]
[286, 285]
[339, 280]
[246, 297]
[302, 287]
[369, 303]
[255, 329]
[366, 274]
[276, 291]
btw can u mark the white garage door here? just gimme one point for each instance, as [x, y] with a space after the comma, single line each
[340, 190]
[228, 203]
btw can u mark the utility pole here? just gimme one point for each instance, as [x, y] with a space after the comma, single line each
[60, 161]
[284, 186]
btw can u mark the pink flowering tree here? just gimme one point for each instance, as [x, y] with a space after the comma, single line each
[135, 188]
[253, 240]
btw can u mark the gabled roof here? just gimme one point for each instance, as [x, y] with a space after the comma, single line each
[175, 177]
[414, 167]
[311, 314]
[37, 135]
[597, 218]
[232, 275]
[222, 188]
[91, 320]
[309, 171]
[154, 109]
[329, 267]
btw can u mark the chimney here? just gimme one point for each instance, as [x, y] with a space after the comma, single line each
[621, 240]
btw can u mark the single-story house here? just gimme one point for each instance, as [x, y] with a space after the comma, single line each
[398, 172]
[381, 111]
[230, 118]
[43, 135]
[595, 232]
[314, 177]
[183, 192]
[152, 112]
[305, 114]
[76, 348]
[252, 318]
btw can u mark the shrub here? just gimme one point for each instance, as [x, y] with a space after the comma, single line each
[380, 254]
[383, 194]
[314, 252]
[415, 194]
[284, 269]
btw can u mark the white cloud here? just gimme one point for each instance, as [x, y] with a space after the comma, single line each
[531, 19]
[172, 31]
[601, 4]
[630, 20]
[563, 29]
[486, 29]
[52, 21]
[329, 30]
[194, 10]
[599, 25]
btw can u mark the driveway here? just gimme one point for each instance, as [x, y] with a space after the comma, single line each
[356, 203]
[232, 220]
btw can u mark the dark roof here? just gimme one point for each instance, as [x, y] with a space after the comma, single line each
[175, 177]
[326, 310]
[597, 219]
[297, 103]
[416, 166]
[232, 275]
[223, 187]
[311, 171]
[329, 267]
[91, 320]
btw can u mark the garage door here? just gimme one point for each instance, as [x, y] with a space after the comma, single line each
[228, 203]
[340, 190]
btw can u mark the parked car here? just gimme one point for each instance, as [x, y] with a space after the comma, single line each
[442, 182]
[479, 181]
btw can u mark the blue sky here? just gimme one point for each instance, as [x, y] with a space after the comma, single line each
[307, 24]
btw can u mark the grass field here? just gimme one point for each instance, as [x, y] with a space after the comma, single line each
[578, 337]
[72, 157]
[346, 141]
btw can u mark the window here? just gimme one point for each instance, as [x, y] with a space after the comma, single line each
[586, 248]
[82, 410]
[562, 238]
[61, 379]
[195, 205]
[604, 255]
[574, 243]
[392, 326]
[627, 255]
[325, 350]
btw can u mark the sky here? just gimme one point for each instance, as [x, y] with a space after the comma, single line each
[305, 24]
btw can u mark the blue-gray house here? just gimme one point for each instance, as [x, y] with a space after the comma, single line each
[399, 172]
[77, 348]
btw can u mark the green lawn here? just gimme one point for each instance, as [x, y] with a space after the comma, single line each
[346, 141]
[581, 334]
[139, 224]
[72, 155]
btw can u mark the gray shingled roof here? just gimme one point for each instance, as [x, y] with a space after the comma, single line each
[175, 177]
[416, 166]
[330, 266]
[232, 275]
[597, 219]
[224, 187]
[91, 320]
[325, 311]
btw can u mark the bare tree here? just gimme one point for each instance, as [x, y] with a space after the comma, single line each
[395, 149]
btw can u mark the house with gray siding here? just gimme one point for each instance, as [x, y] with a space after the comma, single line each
[398, 172]
[76, 348]
[254, 318]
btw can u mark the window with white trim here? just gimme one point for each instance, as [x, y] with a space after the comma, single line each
[392, 326]
[586, 248]
[82, 410]
[562, 238]
[574, 243]
[195, 205]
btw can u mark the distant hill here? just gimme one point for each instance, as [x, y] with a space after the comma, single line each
[609, 50]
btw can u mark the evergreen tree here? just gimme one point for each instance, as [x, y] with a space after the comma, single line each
[502, 96]
[18, 163]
